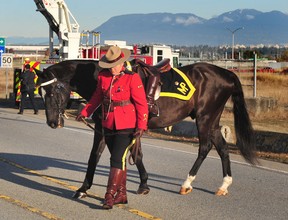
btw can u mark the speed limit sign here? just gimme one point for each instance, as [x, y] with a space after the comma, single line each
[7, 60]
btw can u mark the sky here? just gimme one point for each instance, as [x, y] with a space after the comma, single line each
[20, 18]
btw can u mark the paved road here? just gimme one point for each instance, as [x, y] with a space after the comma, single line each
[41, 167]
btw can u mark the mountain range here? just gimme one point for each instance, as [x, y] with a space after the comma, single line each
[187, 29]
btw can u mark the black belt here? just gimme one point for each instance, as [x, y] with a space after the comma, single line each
[109, 106]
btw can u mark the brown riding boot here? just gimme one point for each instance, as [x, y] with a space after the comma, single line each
[152, 85]
[115, 178]
[121, 196]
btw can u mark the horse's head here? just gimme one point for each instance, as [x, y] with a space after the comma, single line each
[56, 95]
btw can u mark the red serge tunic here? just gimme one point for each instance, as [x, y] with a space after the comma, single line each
[122, 87]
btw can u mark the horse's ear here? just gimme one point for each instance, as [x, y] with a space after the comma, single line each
[41, 77]
[39, 73]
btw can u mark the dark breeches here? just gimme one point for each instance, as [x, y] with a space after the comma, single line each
[118, 142]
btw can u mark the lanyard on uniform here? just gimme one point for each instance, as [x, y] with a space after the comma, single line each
[113, 81]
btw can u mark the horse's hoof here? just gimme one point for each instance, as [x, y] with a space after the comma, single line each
[79, 195]
[143, 191]
[185, 191]
[221, 192]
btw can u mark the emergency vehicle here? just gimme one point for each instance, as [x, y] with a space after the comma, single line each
[84, 45]
[64, 25]
[150, 54]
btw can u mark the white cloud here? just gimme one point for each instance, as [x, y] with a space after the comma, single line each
[166, 19]
[250, 17]
[188, 21]
[226, 19]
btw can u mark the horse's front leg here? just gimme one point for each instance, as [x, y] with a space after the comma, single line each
[204, 148]
[95, 154]
[143, 187]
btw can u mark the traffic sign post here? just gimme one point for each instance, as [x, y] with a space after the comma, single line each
[2, 41]
[7, 60]
[2, 48]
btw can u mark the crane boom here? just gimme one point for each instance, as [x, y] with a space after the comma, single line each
[63, 24]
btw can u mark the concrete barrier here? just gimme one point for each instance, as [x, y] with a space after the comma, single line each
[260, 104]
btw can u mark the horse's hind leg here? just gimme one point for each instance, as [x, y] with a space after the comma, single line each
[205, 146]
[223, 151]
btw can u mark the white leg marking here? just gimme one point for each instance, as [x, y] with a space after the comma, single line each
[227, 181]
[187, 183]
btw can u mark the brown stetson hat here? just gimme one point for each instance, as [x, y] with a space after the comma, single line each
[114, 56]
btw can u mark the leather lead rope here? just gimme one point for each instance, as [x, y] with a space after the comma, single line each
[86, 123]
[135, 148]
[135, 151]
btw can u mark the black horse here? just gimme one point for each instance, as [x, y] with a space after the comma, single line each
[213, 87]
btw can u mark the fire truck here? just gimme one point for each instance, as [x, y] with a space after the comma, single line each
[64, 25]
[152, 54]
[86, 44]
[74, 44]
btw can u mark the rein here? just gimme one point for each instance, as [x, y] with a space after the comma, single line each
[135, 148]
[135, 151]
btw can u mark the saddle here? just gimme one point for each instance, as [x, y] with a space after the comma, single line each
[173, 82]
[162, 66]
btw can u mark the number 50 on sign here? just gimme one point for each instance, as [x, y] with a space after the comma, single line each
[7, 60]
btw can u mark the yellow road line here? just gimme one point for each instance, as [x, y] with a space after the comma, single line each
[29, 208]
[124, 207]
[39, 174]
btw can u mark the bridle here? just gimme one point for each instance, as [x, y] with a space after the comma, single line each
[48, 82]
[59, 88]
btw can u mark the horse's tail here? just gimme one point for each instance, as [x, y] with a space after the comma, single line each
[243, 127]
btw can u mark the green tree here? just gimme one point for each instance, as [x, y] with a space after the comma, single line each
[284, 56]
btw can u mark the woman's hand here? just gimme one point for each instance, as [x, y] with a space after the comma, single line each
[80, 117]
[138, 133]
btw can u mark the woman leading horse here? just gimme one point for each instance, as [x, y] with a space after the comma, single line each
[213, 87]
[125, 115]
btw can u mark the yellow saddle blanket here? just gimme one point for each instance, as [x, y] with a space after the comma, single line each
[176, 84]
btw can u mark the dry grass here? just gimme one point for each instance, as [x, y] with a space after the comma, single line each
[276, 86]
[268, 85]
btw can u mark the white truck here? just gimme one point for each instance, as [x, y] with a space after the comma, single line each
[64, 25]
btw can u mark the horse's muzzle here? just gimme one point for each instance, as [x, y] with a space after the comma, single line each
[56, 124]
[53, 125]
